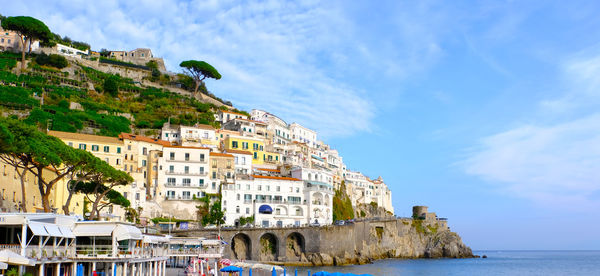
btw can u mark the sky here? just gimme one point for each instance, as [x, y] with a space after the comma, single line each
[485, 111]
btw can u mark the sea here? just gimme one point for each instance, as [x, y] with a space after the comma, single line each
[497, 263]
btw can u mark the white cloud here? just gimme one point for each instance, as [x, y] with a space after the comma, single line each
[556, 163]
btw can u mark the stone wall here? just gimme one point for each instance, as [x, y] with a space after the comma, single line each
[356, 243]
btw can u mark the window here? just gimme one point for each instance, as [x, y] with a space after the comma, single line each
[187, 182]
[82, 146]
[243, 160]
[171, 156]
[247, 186]
[118, 149]
[171, 168]
[186, 195]
[171, 181]
[106, 149]
[255, 146]
[260, 187]
[201, 170]
[118, 161]
[255, 156]
[107, 160]
[70, 144]
[144, 151]
[247, 210]
[234, 144]
[186, 169]
[125, 168]
[237, 209]
[278, 188]
[214, 175]
[144, 163]
[187, 156]
[214, 185]
[128, 147]
[276, 157]
[125, 194]
[244, 145]
[202, 157]
[238, 196]
[268, 188]
[214, 163]
[201, 182]
[137, 196]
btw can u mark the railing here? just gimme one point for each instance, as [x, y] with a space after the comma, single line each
[106, 251]
[179, 198]
[184, 185]
[186, 173]
[193, 251]
[201, 161]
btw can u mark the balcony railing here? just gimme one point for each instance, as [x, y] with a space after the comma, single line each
[201, 161]
[182, 185]
[46, 252]
[186, 173]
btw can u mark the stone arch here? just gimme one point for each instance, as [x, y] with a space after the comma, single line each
[269, 250]
[283, 210]
[298, 211]
[317, 198]
[241, 246]
[295, 247]
[327, 199]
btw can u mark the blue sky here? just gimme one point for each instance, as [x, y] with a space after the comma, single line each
[485, 111]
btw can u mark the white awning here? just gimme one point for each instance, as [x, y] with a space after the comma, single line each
[9, 257]
[211, 242]
[38, 229]
[93, 229]
[155, 239]
[53, 230]
[66, 231]
[3, 265]
[127, 232]
[185, 241]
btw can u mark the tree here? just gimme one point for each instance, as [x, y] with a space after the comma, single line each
[215, 215]
[28, 29]
[111, 86]
[46, 157]
[99, 186]
[199, 70]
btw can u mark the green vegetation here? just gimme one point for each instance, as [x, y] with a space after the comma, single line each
[342, 206]
[374, 205]
[56, 38]
[53, 60]
[418, 225]
[379, 231]
[158, 220]
[246, 220]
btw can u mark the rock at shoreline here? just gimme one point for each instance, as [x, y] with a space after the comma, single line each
[447, 244]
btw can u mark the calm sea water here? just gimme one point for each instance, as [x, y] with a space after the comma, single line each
[498, 263]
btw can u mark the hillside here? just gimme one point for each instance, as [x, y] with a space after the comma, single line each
[80, 98]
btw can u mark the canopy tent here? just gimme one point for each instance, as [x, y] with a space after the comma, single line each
[231, 269]
[66, 231]
[3, 265]
[186, 241]
[265, 209]
[211, 242]
[127, 232]
[53, 230]
[12, 258]
[93, 229]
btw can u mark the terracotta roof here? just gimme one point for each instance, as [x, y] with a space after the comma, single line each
[85, 137]
[238, 151]
[220, 154]
[186, 147]
[276, 177]
[141, 138]
[268, 170]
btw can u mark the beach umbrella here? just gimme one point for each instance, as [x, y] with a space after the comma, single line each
[250, 272]
[226, 262]
[296, 272]
[231, 269]
[274, 272]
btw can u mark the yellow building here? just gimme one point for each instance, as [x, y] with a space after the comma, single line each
[254, 145]
[109, 149]
[11, 196]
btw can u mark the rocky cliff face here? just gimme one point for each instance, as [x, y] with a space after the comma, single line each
[394, 239]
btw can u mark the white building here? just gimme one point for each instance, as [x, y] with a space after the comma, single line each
[224, 116]
[183, 176]
[357, 186]
[280, 132]
[319, 190]
[198, 135]
[242, 161]
[303, 135]
[273, 201]
[70, 51]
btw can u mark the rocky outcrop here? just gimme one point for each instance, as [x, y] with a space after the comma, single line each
[399, 239]
[447, 245]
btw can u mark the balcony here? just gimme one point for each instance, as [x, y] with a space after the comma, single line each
[181, 185]
[186, 173]
[178, 197]
[46, 252]
[201, 161]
